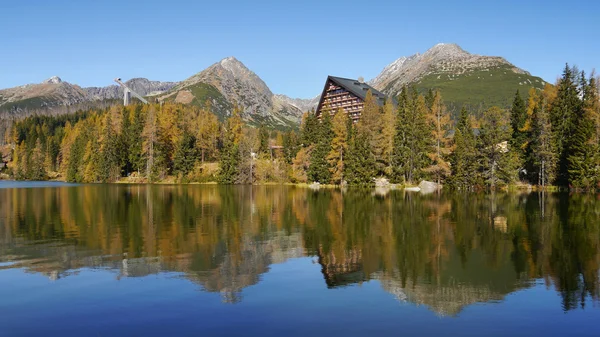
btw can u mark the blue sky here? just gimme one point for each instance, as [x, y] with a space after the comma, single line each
[292, 46]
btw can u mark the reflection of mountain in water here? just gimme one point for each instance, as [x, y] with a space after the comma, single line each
[441, 252]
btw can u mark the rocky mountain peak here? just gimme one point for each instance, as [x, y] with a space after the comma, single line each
[53, 80]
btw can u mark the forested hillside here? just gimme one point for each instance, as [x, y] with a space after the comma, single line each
[547, 137]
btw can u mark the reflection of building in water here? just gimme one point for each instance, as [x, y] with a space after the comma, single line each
[342, 270]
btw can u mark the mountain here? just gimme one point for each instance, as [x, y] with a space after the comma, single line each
[228, 83]
[55, 96]
[304, 104]
[464, 79]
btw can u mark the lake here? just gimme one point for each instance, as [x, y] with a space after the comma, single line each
[129, 260]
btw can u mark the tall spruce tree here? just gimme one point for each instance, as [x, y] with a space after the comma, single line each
[565, 108]
[464, 157]
[582, 152]
[360, 164]
[499, 163]
[318, 170]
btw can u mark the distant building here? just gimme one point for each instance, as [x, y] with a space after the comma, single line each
[346, 94]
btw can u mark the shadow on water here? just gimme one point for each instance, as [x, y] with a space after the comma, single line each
[442, 251]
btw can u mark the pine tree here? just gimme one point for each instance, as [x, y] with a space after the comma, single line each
[263, 136]
[124, 143]
[339, 146]
[109, 161]
[518, 117]
[565, 108]
[499, 163]
[582, 152]
[400, 150]
[413, 138]
[230, 158]
[290, 146]
[185, 154]
[360, 163]
[388, 134]
[318, 171]
[464, 157]
[136, 140]
[309, 129]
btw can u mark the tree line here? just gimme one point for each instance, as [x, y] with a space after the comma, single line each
[549, 137]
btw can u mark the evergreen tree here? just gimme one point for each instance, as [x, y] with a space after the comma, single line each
[124, 143]
[370, 125]
[318, 170]
[263, 136]
[582, 152]
[388, 134]
[360, 163]
[499, 163]
[400, 150]
[518, 117]
[290, 146]
[540, 150]
[230, 158]
[464, 157]
[136, 140]
[413, 138]
[565, 108]
[185, 154]
[109, 162]
[309, 129]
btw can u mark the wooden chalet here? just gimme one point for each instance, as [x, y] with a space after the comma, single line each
[346, 94]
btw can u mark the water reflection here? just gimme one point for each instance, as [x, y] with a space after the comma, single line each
[445, 252]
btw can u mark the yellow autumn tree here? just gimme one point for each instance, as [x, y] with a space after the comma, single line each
[339, 146]
[440, 125]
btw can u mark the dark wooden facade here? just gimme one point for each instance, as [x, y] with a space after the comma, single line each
[346, 94]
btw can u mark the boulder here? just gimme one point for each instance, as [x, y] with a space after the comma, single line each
[429, 186]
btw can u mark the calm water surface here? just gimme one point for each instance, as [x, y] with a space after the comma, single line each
[109, 260]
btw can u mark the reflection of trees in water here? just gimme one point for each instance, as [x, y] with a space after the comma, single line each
[444, 252]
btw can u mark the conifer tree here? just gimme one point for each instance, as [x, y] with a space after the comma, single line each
[440, 125]
[413, 137]
[290, 146]
[185, 154]
[388, 134]
[208, 134]
[540, 149]
[360, 164]
[318, 171]
[464, 157]
[109, 162]
[263, 136]
[582, 152]
[339, 146]
[370, 125]
[136, 140]
[400, 150]
[518, 117]
[230, 158]
[565, 108]
[499, 163]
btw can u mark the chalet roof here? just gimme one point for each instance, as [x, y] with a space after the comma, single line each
[359, 89]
